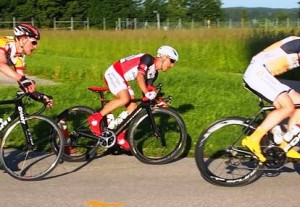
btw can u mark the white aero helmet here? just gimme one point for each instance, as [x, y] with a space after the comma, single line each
[168, 51]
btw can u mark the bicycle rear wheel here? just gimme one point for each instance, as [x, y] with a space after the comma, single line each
[166, 147]
[220, 157]
[80, 144]
[25, 161]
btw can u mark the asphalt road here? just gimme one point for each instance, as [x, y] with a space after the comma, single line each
[123, 181]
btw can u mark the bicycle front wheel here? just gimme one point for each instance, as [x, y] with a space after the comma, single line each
[161, 148]
[34, 158]
[220, 157]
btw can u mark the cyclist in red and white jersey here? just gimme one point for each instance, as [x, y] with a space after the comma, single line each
[12, 54]
[260, 77]
[141, 67]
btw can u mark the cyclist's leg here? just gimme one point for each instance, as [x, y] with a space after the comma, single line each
[130, 107]
[268, 87]
[295, 117]
[293, 120]
[117, 86]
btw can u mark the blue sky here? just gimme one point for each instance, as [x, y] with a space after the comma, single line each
[261, 3]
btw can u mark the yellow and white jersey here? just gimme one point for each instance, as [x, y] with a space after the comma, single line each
[281, 56]
[14, 59]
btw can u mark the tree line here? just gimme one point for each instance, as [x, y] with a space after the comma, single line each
[44, 11]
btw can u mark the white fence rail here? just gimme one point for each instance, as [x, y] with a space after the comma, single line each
[134, 24]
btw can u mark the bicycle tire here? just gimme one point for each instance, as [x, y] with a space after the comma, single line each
[77, 146]
[31, 163]
[150, 149]
[220, 166]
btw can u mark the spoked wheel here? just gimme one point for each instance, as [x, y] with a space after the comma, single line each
[80, 145]
[159, 148]
[33, 159]
[220, 157]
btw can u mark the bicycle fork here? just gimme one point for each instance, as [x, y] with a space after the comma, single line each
[152, 122]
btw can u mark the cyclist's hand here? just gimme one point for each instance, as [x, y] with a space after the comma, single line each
[48, 100]
[151, 88]
[26, 85]
[150, 95]
[161, 102]
[37, 96]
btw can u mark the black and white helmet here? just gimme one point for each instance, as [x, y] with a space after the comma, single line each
[27, 30]
[168, 51]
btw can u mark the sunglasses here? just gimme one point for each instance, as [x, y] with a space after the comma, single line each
[34, 42]
[172, 61]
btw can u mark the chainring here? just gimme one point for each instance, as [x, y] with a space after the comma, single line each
[276, 157]
[107, 139]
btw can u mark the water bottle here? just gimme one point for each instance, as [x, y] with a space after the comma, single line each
[277, 134]
[110, 121]
[121, 117]
[293, 132]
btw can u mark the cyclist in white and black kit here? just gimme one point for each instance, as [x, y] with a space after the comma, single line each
[141, 67]
[260, 77]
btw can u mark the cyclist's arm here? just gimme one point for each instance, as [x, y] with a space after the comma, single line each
[145, 62]
[141, 82]
[7, 70]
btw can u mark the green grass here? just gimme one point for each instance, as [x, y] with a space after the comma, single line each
[206, 84]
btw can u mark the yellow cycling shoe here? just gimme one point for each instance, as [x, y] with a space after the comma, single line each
[293, 154]
[254, 147]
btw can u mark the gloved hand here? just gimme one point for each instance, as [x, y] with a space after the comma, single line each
[37, 96]
[150, 95]
[151, 88]
[26, 85]
[48, 100]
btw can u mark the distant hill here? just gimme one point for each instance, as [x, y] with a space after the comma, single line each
[236, 13]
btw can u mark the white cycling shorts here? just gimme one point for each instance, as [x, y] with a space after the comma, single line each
[263, 82]
[116, 82]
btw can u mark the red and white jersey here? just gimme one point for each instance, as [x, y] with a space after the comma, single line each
[129, 67]
[15, 60]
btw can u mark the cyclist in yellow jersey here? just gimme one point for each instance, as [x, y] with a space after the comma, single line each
[260, 77]
[12, 54]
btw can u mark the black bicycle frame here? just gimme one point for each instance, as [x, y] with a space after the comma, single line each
[18, 113]
[143, 105]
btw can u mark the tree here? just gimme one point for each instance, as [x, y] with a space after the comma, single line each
[152, 8]
[176, 9]
[299, 9]
[200, 10]
[111, 10]
[76, 9]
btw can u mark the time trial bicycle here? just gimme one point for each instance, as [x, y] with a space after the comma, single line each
[156, 133]
[221, 158]
[28, 147]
